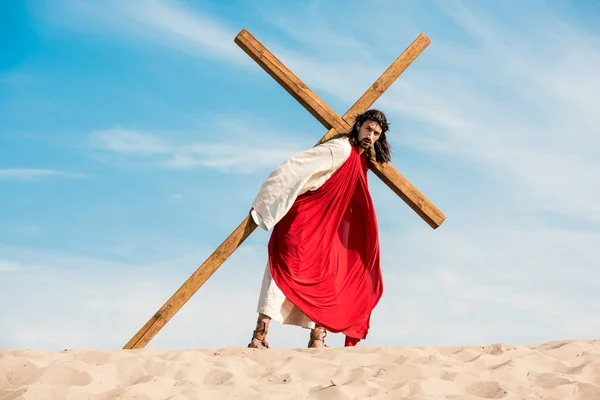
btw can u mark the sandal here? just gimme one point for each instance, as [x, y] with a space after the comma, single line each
[260, 334]
[318, 334]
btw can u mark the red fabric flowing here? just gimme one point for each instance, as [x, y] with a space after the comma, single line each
[324, 253]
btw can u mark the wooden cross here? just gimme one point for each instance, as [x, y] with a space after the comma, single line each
[336, 126]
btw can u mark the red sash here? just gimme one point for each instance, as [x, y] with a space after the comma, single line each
[324, 253]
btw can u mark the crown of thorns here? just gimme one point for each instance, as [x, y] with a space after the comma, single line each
[373, 116]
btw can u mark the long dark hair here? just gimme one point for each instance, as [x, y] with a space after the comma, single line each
[383, 150]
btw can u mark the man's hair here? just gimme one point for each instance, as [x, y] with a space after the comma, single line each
[382, 148]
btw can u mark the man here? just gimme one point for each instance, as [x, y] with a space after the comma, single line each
[323, 269]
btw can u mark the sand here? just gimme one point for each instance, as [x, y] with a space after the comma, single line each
[557, 370]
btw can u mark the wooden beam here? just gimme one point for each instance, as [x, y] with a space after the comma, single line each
[288, 80]
[407, 192]
[336, 125]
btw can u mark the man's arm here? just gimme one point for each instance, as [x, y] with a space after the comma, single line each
[294, 177]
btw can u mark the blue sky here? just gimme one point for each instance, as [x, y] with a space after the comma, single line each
[134, 136]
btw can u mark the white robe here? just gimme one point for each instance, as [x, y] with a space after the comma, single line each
[305, 171]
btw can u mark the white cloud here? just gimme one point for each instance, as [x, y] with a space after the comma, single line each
[29, 174]
[6, 266]
[130, 142]
[244, 151]
[156, 22]
[185, 26]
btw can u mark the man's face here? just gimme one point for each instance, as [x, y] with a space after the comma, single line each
[368, 133]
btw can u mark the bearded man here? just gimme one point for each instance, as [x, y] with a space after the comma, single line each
[323, 270]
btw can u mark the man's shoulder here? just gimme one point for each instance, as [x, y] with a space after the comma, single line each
[339, 144]
[340, 149]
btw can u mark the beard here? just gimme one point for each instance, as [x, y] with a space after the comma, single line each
[365, 145]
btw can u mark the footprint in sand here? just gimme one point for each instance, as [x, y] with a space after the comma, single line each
[14, 395]
[218, 377]
[588, 391]
[279, 378]
[345, 376]
[144, 379]
[448, 376]
[64, 375]
[332, 392]
[487, 390]
[20, 374]
[549, 381]
[94, 357]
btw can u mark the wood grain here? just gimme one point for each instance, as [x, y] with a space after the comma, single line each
[407, 192]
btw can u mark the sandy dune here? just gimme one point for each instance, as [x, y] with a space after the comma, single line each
[557, 370]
